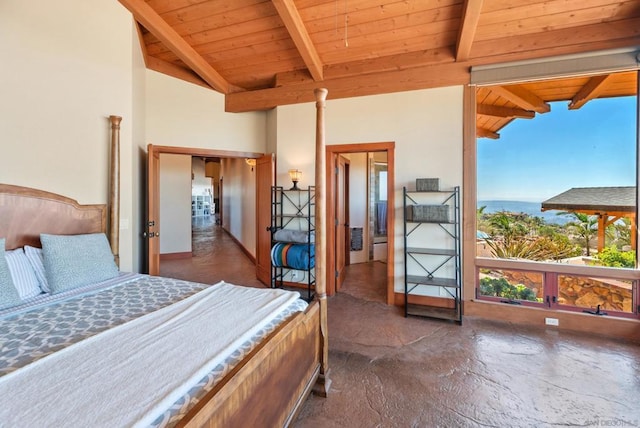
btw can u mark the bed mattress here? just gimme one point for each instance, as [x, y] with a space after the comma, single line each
[51, 323]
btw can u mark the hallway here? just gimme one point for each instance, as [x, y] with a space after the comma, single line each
[216, 257]
[391, 371]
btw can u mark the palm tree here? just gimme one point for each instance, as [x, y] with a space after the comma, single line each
[619, 232]
[585, 226]
[504, 224]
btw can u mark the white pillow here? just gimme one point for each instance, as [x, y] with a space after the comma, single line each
[24, 278]
[37, 263]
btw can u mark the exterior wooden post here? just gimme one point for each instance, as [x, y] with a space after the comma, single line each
[114, 189]
[322, 386]
[602, 226]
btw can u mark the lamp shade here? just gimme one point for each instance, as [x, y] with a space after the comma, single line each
[295, 175]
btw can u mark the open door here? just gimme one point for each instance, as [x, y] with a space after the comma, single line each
[342, 218]
[152, 226]
[265, 178]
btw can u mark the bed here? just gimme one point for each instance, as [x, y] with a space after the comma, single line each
[64, 348]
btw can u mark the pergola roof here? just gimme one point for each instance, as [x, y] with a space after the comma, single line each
[594, 200]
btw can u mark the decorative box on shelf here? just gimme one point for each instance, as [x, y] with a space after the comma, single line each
[428, 213]
[427, 184]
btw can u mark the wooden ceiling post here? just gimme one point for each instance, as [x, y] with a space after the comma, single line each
[323, 384]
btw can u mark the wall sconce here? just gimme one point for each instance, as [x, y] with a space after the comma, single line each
[251, 162]
[295, 175]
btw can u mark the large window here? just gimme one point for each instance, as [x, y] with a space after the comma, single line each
[556, 194]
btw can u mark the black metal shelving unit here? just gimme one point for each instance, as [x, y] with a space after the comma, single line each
[294, 209]
[433, 280]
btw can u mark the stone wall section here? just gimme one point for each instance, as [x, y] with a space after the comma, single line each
[581, 291]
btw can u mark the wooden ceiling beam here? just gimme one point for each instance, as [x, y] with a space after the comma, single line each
[153, 22]
[589, 91]
[504, 112]
[486, 133]
[298, 32]
[176, 71]
[143, 46]
[522, 98]
[371, 84]
[470, 18]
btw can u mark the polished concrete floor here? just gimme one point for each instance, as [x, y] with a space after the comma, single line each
[391, 371]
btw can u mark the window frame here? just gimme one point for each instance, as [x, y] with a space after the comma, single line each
[550, 270]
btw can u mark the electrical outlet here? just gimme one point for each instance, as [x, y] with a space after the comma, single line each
[551, 321]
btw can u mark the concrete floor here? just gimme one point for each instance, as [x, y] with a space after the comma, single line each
[391, 371]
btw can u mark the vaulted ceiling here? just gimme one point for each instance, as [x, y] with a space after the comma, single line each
[264, 53]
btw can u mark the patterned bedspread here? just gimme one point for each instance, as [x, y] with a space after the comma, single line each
[27, 335]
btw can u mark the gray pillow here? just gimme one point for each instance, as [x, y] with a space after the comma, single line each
[72, 261]
[8, 294]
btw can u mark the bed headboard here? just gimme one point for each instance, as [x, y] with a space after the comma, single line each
[25, 213]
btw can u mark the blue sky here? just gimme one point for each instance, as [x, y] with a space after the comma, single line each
[535, 159]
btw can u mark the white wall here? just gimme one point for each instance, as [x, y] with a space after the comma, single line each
[186, 115]
[175, 203]
[239, 202]
[138, 159]
[425, 125]
[66, 66]
[358, 202]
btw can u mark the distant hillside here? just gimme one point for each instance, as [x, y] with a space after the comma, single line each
[530, 208]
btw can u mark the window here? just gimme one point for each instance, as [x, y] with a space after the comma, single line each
[556, 194]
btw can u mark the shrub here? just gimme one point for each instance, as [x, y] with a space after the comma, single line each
[612, 257]
[500, 287]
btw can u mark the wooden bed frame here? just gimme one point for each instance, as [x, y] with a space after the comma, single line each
[268, 387]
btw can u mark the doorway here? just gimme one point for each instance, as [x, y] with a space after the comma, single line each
[342, 236]
[153, 226]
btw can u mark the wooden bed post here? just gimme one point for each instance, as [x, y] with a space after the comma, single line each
[323, 384]
[114, 189]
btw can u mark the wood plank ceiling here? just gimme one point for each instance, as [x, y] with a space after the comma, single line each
[265, 53]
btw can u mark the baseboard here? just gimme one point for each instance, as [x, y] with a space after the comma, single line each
[176, 256]
[618, 328]
[242, 247]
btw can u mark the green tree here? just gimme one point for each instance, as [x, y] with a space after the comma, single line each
[506, 224]
[585, 226]
[619, 233]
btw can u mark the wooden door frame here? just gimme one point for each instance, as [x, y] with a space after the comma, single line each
[264, 164]
[332, 151]
[347, 213]
[343, 180]
[219, 206]
[153, 150]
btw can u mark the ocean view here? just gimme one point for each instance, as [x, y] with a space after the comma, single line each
[530, 208]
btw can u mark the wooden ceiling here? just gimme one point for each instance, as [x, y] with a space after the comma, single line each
[264, 53]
